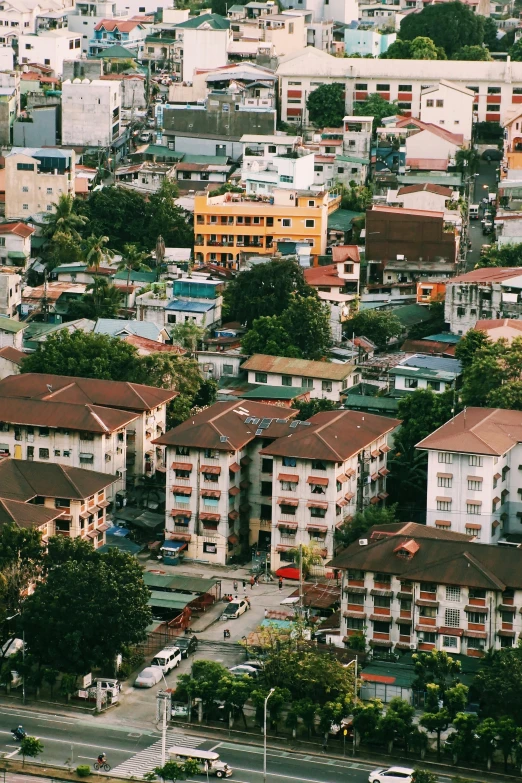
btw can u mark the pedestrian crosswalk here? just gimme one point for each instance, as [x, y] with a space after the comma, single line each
[146, 760]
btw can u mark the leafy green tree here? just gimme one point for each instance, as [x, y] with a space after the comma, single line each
[376, 107]
[493, 378]
[362, 522]
[450, 26]
[326, 105]
[486, 740]
[467, 161]
[309, 409]
[422, 412]
[30, 747]
[65, 219]
[133, 260]
[235, 692]
[435, 667]
[175, 770]
[356, 198]
[398, 50]
[468, 346]
[366, 718]
[97, 251]
[506, 733]
[101, 300]
[61, 618]
[408, 471]
[397, 723]
[307, 321]
[202, 683]
[476, 52]
[497, 685]
[378, 326]
[423, 776]
[436, 722]
[63, 248]
[508, 255]
[269, 336]
[463, 740]
[515, 52]
[188, 335]
[423, 48]
[266, 289]
[167, 219]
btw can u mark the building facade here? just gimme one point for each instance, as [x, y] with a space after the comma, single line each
[322, 380]
[35, 180]
[90, 112]
[482, 294]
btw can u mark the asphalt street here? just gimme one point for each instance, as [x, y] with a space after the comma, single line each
[484, 183]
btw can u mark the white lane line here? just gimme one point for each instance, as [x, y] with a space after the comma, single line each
[216, 746]
[307, 759]
[10, 755]
[24, 714]
[278, 775]
[54, 720]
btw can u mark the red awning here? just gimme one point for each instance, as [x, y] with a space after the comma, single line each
[233, 491]
[181, 466]
[210, 517]
[182, 490]
[287, 502]
[233, 514]
[287, 572]
[210, 469]
[234, 467]
[210, 493]
[287, 525]
[323, 482]
[181, 512]
[288, 477]
[316, 504]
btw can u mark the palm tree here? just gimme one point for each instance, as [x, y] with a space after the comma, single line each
[64, 219]
[102, 301]
[132, 261]
[160, 255]
[95, 253]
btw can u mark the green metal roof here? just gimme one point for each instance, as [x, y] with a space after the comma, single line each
[217, 160]
[444, 337]
[11, 326]
[161, 151]
[173, 582]
[237, 9]
[423, 372]
[215, 21]
[352, 159]
[70, 268]
[368, 403]
[116, 52]
[136, 277]
[162, 600]
[342, 219]
[159, 39]
[409, 315]
[16, 254]
[273, 392]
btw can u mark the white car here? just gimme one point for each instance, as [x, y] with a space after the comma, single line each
[239, 671]
[391, 775]
[148, 677]
[235, 609]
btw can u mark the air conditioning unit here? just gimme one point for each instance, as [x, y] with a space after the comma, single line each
[363, 542]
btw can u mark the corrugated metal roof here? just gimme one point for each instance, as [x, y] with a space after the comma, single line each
[301, 367]
[114, 327]
[190, 307]
[434, 363]
[87, 418]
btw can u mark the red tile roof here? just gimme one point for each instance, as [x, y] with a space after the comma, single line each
[455, 138]
[429, 187]
[151, 346]
[490, 431]
[20, 229]
[492, 274]
[323, 275]
[342, 253]
[87, 418]
[427, 164]
[24, 480]
[12, 354]
[26, 515]
[113, 24]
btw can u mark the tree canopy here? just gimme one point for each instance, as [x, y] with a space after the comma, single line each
[378, 326]
[363, 521]
[266, 289]
[326, 105]
[506, 255]
[376, 107]
[492, 379]
[449, 25]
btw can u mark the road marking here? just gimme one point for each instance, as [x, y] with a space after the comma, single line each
[215, 746]
[145, 760]
[279, 775]
[10, 755]
[54, 720]
[297, 757]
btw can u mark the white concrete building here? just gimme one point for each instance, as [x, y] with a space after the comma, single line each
[10, 295]
[204, 45]
[418, 588]
[449, 105]
[424, 196]
[473, 474]
[87, 14]
[324, 380]
[50, 47]
[19, 17]
[426, 372]
[15, 244]
[90, 112]
[35, 180]
[262, 175]
[488, 293]
[10, 358]
[344, 11]
[496, 85]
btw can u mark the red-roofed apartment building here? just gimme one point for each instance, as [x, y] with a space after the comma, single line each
[15, 244]
[337, 284]
[429, 147]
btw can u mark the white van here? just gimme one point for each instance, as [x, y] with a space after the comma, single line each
[473, 211]
[166, 660]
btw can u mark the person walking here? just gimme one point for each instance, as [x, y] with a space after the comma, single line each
[280, 583]
[256, 580]
[235, 585]
[244, 585]
[252, 582]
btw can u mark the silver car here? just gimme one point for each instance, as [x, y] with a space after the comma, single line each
[148, 677]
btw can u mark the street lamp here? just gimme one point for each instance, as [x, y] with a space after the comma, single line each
[354, 695]
[264, 735]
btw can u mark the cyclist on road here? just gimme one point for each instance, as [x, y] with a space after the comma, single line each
[102, 759]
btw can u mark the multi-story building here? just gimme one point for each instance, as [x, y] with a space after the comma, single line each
[227, 225]
[15, 244]
[9, 105]
[489, 293]
[129, 33]
[146, 406]
[50, 47]
[344, 11]
[203, 43]
[408, 587]
[214, 483]
[320, 474]
[497, 86]
[10, 295]
[322, 380]
[289, 171]
[10, 357]
[473, 474]
[367, 42]
[87, 14]
[28, 17]
[91, 112]
[167, 305]
[449, 105]
[55, 499]
[337, 285]
[86, 436]
[35, 179]
[426, 372]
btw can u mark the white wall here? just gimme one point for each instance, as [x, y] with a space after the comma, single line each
[87, 111]
[455, 114]
[433, 202]
[332, 390]
[50, 48]
[203, 49]
[429, 145]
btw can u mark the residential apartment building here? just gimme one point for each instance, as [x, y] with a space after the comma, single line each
[213, 477]
[230, 224]
[35, 179]
[10, 295]
[408, 587]
[337, 285]
[344, 11]
[187, 298]
[15, 244]
[367, 42]
[497, 86]
[145, 405]
[9, 104]
[473, 474]
[419, 145]
[56, 499]
[91, 112]
[50, 47]
[83, 436]
[322, 380]
[87, 14]
[426, 372]
[449, 105]
[129, 33]
[319, 475]
[489, 293]
[10, 357]
[271, 34]
[203, 43]
[19, 17]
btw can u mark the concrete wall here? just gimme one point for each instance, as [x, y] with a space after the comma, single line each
[41, 132]
[203, 49]
[88, 112]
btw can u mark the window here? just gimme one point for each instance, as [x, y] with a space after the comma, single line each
[428, 587]
[355, 623]
[382, 601]
[405, 87]
[318, 464]
[266, 512]
[317, 513]
[443, 505]
[383, 88]
[474, 592]
[210, 548]
[210, 454]
[506, 641]
[286, 380]
[473, 531]
[478, 618]
[266, 465]
[66, 453]
[326, 386]
[445, 457]
[382, 579]
[228, 369]
[494, 90]
[261, 377]
[183, 474]
[25, 166]
[25, 206]
[309, 223]
[380, 627]
[411, 383]
[359, 86]
[429, 103]
[289, 486]
[44, 432]
[212, 477]
[507, 617]
[286, 509]
[43, 453]
[435, 385]
[476, 644]
[505, 471]
[289, 462]
[405, 605]
[428, 611]
[287, 223]
[450, 641]
[475, 460]
[452, 618]
[452, 593]
[311, 203]
[444, 481]
[471, 508]
[182, 451]
[49, 208]
[427, 637]
[356, 598]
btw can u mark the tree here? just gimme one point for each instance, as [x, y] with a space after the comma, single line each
[506, 732]
[202, 683]
[269, 336]
[467, 161]
[423, 48]
[438, 668]
[356, 198]
[86, 355]
[133, 260]
[436, 721]
[493, 378]
[378, 326]
[422, 412]
[362, 522]
[174, 770]
[188, 335]
[309, 409]
[167, 219]
[326, 105]
[398, 50]
[65, 219]
[468, 346]
[61, 618]
[486, 733]
[508, 255]
[307, 321]
[451, 26]
[30, 747]
[497, 685]
[308, 555]
[376, 107]
[408, 470]
[423, 776]
[476, 52]
[63, 248]
[397, 724]
[265, 290]
[102, 300]
[96, 251]
[515, 52]
[366, 718]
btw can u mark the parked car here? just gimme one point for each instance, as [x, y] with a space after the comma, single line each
[391, 775]
[235, 609]
[259, 665]
[110, 684]
[148, 677]
[145, 136]
[166, 660]
[186, 645]
[242, 669]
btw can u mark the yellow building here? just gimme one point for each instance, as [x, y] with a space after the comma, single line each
[230, 224]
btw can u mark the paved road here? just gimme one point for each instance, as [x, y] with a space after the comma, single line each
[485, 182]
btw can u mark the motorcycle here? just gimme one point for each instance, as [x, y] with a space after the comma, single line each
[19, 734]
